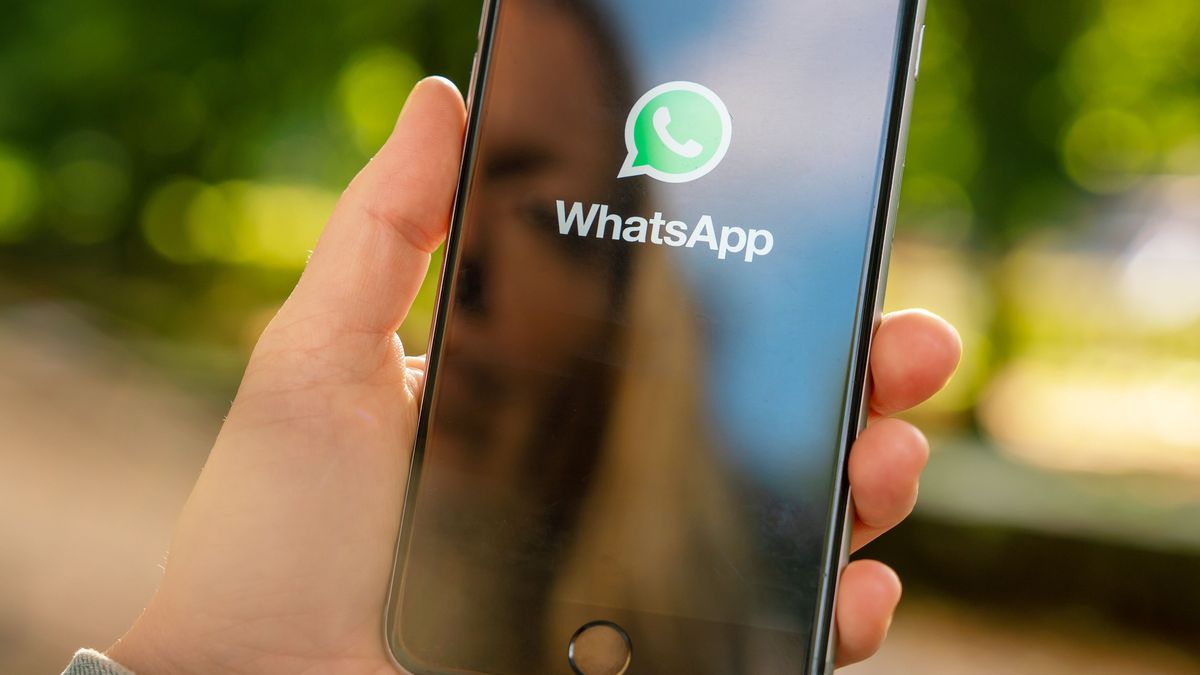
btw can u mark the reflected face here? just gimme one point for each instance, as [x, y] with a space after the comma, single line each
[634, 433]
[525, 295]
[521, 389]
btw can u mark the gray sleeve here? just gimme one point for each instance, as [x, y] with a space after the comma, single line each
[92, 662]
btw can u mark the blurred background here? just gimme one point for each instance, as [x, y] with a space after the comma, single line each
[165, 169]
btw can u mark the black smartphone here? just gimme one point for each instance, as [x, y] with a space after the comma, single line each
[649, 356]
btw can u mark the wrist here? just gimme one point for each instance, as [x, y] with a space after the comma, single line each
[142, 649]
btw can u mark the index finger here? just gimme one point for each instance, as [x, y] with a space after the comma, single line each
[913, 355]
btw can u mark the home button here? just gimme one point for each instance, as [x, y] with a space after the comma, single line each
[600, 648]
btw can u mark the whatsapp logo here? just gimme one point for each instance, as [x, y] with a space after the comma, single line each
[677, 132]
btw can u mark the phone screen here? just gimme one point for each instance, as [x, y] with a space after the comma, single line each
[646, 362]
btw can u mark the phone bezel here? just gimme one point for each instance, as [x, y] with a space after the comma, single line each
[871, 293]
[875, 264]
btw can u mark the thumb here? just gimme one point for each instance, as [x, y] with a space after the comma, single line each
[373, 254]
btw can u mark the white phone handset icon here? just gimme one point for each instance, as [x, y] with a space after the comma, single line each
[662, 120]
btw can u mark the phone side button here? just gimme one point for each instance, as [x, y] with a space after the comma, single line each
[920, 44]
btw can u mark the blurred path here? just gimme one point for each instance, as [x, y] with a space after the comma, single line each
[98, 456]
[99, 452]
[930, 637]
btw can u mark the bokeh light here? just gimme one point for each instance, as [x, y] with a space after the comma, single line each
[19, 195]
[371, 89]
[1108, 150]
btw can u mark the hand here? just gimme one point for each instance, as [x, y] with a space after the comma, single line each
[282, 556]
[913, 355]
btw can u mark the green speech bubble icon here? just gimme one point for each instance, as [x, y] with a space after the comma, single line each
[676, 132]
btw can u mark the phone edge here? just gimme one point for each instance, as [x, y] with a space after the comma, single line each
[823, 660]
[474, 103]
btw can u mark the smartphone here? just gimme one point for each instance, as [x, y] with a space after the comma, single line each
[649, 357]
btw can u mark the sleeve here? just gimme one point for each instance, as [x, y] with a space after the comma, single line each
[92, 662]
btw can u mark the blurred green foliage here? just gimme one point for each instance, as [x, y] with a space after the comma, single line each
[1026, 109]
[172, 163]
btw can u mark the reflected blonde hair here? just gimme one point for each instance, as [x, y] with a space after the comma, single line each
[644, 512]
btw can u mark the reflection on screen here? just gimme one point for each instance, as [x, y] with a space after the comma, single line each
[638, 404]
